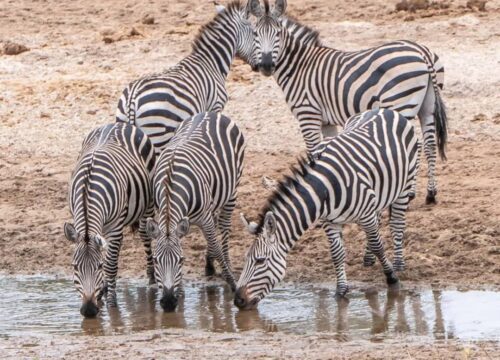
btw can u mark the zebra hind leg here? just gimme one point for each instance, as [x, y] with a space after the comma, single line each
[224, 225]
[209, 266]
[369, 258]
[370, 226]
[334, 234]
[397, 224]
[427, 122]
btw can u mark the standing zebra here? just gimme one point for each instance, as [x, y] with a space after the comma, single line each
[158, 103]
[324, 87]
[110, 188]
[349, 179]
[195, 182]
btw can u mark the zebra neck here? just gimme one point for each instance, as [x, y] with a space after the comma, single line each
[296, 208]
[290, 61]
[217, 49]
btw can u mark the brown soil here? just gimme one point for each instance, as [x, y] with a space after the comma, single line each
[70, 80]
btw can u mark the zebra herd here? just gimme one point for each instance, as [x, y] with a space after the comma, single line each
[173, 156]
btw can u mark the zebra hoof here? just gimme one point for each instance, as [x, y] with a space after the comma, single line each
[341, 291]
[391, 278]
[430, 199]
[152, 281]
[368, 261]
[399, 265]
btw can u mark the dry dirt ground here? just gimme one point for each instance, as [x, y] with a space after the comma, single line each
[82, 54]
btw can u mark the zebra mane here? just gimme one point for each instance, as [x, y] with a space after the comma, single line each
[286, 185]
[233, 7]
[304, 33]
[166, 184]
[85, 196]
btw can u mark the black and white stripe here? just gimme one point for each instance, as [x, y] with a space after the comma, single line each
[110, 188]
[324, 87]
[350, 178]
[195, 183]
[158, 103]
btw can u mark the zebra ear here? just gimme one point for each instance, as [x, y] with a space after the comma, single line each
[182, 227]
[70, 232]
[251, 226]
[152, 228]
[270, 223]
[255, 8]
[100, 241]
[219, 8]
[279, 8]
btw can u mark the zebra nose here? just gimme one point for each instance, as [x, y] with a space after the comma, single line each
[240, 298]
[168, 300]
[89, 309]
[266, 65]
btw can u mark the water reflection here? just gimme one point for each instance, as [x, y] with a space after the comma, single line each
[370, 314]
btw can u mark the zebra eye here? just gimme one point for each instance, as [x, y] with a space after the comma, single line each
[75, 267]
[260, 260]
[155, 260]
[99, 266]
[181, 260]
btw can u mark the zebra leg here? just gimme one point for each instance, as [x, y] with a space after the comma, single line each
[414, 174]
[146, 240]
[369, 259]
[310, 128]
[397, 224]
[111, 264]
[224, 225]
[334, 234]
[370, 226]
[215, 251]
[426, 116]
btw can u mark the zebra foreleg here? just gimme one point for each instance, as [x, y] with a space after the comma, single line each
[370, 226]
[215, 251]
[397, 224]
[224, 225]
[114, 242]
[334, 233]
[311, 132]
[146, 241]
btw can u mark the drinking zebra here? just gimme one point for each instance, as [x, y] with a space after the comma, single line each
[110, 188]
[158, 103]
[195, 183]
[349, 179]
[324, 87]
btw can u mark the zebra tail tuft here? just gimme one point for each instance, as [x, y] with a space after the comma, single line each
[441, 124]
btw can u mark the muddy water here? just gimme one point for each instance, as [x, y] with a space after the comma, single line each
[39, 306]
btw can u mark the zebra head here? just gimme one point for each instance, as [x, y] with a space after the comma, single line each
[265, 264]
[168, 260]
[87, 268]
[268, 35]
[245, 38]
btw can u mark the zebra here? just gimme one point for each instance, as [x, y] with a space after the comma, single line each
[110, 188]
[324, 87]
[158, 103]
[195, 183]
[350, 178]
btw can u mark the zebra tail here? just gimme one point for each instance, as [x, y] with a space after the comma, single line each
[441, 123]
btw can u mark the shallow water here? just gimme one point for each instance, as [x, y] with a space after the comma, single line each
[41, 306]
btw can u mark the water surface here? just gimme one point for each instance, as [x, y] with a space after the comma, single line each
[42, 306]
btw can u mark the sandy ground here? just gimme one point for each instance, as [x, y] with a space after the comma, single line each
[70, 79]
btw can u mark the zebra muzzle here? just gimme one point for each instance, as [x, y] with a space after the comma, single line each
[241, 300]
[168, 300]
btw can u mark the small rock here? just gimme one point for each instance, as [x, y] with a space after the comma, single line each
[135, 32]
[108, 40]
[148, 19]
[479, 117]
[412, 5]
[476, 4]
[107, 32]
[45, 115]
[91, 112]
[80, 62]
[11, 48]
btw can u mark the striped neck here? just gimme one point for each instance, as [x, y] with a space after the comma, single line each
[297, 204]
[216, 42]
